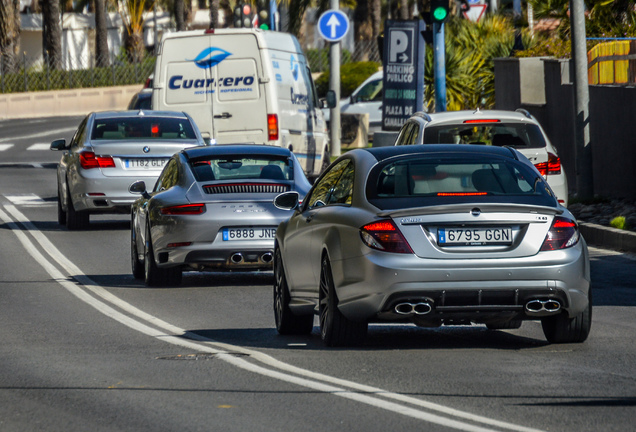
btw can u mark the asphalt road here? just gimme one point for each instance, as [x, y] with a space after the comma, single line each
[84, 346]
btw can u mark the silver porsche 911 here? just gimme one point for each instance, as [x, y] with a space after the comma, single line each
[434, 234]
[108, 152]
[212, 208]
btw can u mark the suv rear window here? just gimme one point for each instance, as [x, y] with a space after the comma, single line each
[416, 182]
[517, 135]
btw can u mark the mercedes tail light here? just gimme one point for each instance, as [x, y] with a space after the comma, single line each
[551, 167]
[272, 127]
[89, 160]
[384, 236]
[185, 209]
[564, 233]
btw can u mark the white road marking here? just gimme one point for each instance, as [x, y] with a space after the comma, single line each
[29, 200]
[359, 392]
[4, 147]
[39, 146]
[40, 134]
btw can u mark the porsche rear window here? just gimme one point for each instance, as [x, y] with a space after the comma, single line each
[136, 128]
[425, 181]
[517, 135]
[242, 167]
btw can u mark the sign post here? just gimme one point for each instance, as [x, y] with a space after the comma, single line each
[333, 25]
[403, 62]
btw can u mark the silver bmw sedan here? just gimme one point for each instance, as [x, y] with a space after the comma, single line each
[433, 234]
[212, 209]
[108, 152]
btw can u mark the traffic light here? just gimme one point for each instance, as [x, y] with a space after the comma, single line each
[439, 11]
[243, 15]
[264, 14]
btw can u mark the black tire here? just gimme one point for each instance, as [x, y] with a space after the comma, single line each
[563, 329]
[75, 220]
[286, 322]
[508, 325]
[335, 328]
[61, 214]
[137, 266]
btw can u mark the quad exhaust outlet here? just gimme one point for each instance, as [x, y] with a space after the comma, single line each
[543, 307]
[407, 308]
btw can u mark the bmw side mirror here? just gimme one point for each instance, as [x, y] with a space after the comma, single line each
[59, 144]
[287, 200]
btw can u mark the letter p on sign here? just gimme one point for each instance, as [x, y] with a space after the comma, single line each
[399, 43]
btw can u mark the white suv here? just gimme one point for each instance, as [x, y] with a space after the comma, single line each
[516, 129]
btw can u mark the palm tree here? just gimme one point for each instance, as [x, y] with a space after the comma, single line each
[9, 33]
[131, 12]
[101, 34]
[52, 33]
[179, 15]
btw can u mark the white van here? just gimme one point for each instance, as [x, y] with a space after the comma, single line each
[244, 86]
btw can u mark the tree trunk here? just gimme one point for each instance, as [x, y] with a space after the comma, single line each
[214, 14]
[179, 15]
[52, 33]
[9, 34]
[376, 16]
[404, 9]
[102, 56]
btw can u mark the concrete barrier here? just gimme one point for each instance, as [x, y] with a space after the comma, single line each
[65, 102]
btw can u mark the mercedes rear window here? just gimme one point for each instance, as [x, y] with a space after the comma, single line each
[142, 127]
[416, 181]
[517, 135]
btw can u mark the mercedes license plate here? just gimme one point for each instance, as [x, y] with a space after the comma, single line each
[145, 163]
[232, 234]
[474, 236]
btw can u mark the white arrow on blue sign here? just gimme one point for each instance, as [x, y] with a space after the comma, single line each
[333, 25]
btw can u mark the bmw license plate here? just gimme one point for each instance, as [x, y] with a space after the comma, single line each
[233, 234]
[474, 236]
[145, 163]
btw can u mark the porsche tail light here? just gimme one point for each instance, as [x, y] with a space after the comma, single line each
[89, 160]
[385, 236]
[564, 233]
[551, 167]
[272, 127]
[186, 209]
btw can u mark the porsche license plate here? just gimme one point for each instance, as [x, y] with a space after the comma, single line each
[233, 234]
[474, 236]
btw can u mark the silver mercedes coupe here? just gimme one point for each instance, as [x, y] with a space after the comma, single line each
[212, 209]
[431, 234]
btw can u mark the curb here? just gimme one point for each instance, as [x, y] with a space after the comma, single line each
[608, 237]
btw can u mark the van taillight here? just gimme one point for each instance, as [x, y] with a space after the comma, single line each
[272, 127]
[551, 167]
[88, 160]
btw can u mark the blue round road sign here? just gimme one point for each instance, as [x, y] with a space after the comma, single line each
[333, 25]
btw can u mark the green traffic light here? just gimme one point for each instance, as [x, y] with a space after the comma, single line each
[439, 14]
[264, 27]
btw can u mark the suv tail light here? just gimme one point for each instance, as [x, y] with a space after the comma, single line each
[564, 233]
[88, 160]
[272, 127]
[551, 167]
[186, 209]
[385, 236]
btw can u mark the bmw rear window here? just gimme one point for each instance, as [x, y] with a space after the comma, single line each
[423, 181]
[142, 127]
[517, 135]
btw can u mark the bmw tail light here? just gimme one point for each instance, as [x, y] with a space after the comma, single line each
[272, 127]
[385, 236]
[89, 160]
[186, 209]
[564, 233]
[551, 167]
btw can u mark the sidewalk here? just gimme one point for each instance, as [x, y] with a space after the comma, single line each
[608, 237]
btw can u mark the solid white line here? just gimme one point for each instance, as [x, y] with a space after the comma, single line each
[73, 270]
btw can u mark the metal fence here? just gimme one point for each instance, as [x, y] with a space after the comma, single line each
[28, 74]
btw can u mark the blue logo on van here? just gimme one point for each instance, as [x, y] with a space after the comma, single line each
[210, 57]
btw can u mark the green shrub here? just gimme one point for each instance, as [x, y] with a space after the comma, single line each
[620, 223]
[351, 76]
